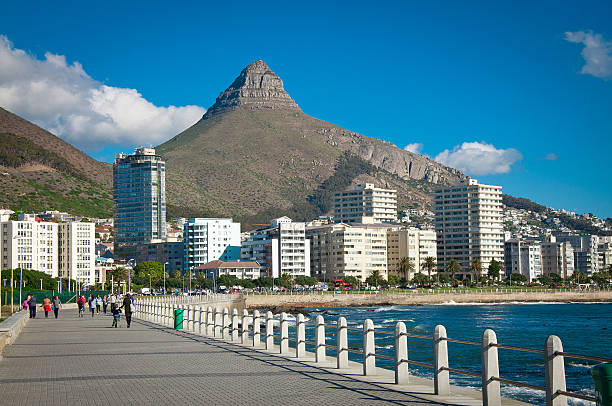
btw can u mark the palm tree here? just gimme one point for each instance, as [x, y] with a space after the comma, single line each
[406, 267]
[453, 267]
[476, 268]
[429, 264]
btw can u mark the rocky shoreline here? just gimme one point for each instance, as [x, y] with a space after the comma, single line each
[297, 303]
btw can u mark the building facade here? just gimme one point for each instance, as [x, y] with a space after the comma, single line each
[523, 257]
[139, 191]
[281, 248]
[29, 244]
[557, 258]
[365, 204]
[414, 244]
[239, 269]
[77, 252]
[585, 246]
[169, 252]
[210, 239]
[339, 250]
[468, 219]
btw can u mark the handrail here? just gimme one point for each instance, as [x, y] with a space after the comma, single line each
[518, 383]
[509, 347]
[586, 357]
[452, 340]
[460, 371]
[577, 395]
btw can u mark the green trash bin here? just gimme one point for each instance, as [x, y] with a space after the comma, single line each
[178, 319]
[602, 376]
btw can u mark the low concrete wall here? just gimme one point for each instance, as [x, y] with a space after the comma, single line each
[11, 327]
[379, 299]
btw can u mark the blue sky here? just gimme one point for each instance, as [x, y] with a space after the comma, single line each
[499, 89]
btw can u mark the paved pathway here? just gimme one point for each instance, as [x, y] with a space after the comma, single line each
[84, 361]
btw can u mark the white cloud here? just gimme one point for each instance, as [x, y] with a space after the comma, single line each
[479, 158]
[415, 147]
[597, 53]
[65, 100]
[551, 157]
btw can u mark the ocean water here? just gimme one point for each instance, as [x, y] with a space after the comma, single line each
[584, 329]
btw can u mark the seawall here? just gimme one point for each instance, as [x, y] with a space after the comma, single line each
[379, 299]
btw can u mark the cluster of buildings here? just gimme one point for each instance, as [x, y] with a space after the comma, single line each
[363, 236]
[65, 249]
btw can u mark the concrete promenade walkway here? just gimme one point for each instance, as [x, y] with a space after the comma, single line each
[84, 361]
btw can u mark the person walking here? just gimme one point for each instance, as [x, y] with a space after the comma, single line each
[92, 305]
[98, 303]
[56, 305]
[26, 301]
[46, 305]
[127, 306]
[116, 315]
[32, 306]
[104, 303]
[81, 304]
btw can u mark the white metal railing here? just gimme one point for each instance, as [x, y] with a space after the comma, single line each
[246, 328]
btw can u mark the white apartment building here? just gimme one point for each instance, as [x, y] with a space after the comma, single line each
[469, 224]
[523, 257]
[557, 258]
[77, 252]
[414, 244]
[281, 248]
[29, 244]
[341, 249]
[365, 204]
[210, 239]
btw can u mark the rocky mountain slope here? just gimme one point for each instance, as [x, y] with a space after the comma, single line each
[39, 171]
[256, 153]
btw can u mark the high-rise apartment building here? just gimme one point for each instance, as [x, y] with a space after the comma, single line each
[469, 224]
[523, 257]
[29, 244]
[585, 246]
[557, 258]
[339, 250]
[414, 244]
[77, 252]
[139, 188]
[365, 204]
[210, 239]
[281, 248]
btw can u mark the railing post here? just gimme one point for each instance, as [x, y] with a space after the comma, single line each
[202, 323]
[284, 333]
[441, 374]
[218, 331]
[190, 320]
[320, 339]
[555, 372]
[256, 328]
[245, 326]
[300, 336]
[342, 343]
[226, 324]
[210, 322]
[401, 355]
[490, 369]
[269, 330]
[196, 319]
[369, 348]
[235, 325]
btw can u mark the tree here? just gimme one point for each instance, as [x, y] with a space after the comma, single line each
[430, 265]
[264, 281]
[579, 277]
[556, 279]
[545, 280]
[375, 279]
[176, 274]
[518, 277]
[476, 268]
[406, 267]
[601, 278]
[146, 268]
[443, 278]
[420, 279]
[228, 281]
[453, 267]
[247, 283]
[494, 270]
[394, 280]
[356, 283]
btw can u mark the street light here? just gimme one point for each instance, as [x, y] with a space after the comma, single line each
[130, 275]
[165, 263]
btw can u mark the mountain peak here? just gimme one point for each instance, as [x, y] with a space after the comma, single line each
[257, 87]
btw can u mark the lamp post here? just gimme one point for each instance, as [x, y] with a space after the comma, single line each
[12, 287]
[150, 292]
[40, 283]
[129, 287]
[165, 263]
[20, 283]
